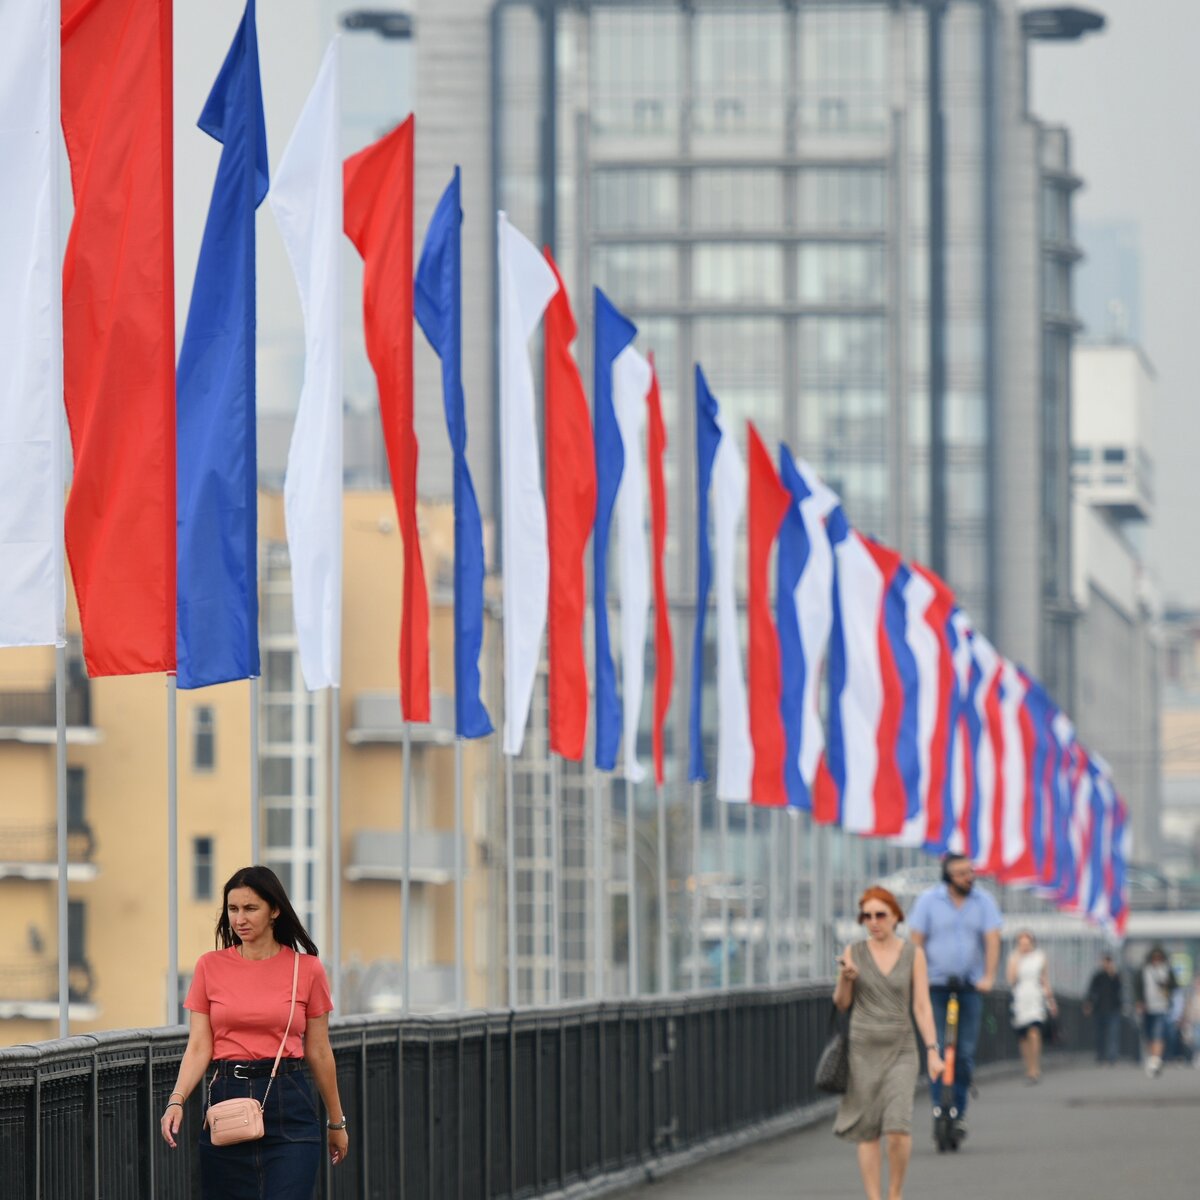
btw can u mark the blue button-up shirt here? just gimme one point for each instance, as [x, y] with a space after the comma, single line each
[954, 943]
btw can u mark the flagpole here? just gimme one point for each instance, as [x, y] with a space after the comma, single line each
[510, 872]
[631, 869]
[598, 889]
[406, 850]
[772, 893]
[820, 883]
[555, 882]
[255, 816]
[60, 809]
[723, 850]
[664, 932]
[748, 871]
[335, 837]
[172, 858]
[459, 988]
[794, 893]
[697, 906]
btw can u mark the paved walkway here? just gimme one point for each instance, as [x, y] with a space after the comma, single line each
[1084, 1133]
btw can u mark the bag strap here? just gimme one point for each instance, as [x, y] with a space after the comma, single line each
[291, 1014]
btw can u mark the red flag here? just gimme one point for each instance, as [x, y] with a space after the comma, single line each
[937, 617]
[378, 186]
[570, 514]
[664, 652]
[119, 331]
[768, 505]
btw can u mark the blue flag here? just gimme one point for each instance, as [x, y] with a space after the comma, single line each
[708, 438]
[792, 556]
[437, 301]
[217, 462]
[613, 333]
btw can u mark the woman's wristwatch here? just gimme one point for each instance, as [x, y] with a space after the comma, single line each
[934, 1046]
[336, 1125]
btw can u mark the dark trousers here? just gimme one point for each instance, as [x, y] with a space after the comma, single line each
[1108, 1037]
[283, 1163]
[970, 1016]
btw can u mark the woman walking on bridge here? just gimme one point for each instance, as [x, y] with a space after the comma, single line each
[884, 979]
[260, 1015]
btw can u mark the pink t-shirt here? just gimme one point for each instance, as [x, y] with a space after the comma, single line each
[247, 1002]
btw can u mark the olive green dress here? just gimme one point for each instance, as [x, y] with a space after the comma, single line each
[883, 1050]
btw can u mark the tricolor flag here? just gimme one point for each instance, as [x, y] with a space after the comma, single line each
[1014, 858]
[119, 330]
[928, 603]
[987, 750]
[378, 200]
[570, 514]
[768, 505]
[1118, 887]
[664, 651]
[613, 333]
[1037, 715]
[865, 690]
[306, 197]
[32, 593]
[526, 286]
[217, 602]
[804, 618]
[632, 378]
[438, 305]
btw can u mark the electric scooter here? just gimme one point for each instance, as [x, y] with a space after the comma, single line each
[946, 1130]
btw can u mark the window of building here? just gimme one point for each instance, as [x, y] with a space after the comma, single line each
[204, 738]
[1081, 454]
[739, 74]
[841, 198]
[202, 868]
[637, 275]
[630, 201]
[841, 273]
[1114, 454]
[731, 273]
[733, 199]
[636, 73]
[76, 797]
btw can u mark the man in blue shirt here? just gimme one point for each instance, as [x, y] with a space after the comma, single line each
[959, 928]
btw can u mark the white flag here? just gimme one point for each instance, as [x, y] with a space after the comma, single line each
[631, 385]
[735, 751]
[527, 285]
[32, 588]
[306, 196]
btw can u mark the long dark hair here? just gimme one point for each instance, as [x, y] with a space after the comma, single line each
[288, 929]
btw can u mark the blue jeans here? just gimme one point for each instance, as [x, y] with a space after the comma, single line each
[1108, 1036]
[283, 1163]
[970, 1016]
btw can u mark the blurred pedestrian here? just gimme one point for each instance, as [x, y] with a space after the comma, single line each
[886, 981]
[958, 926]
[1103, 1005]
[1155, 984]
[1032, 1000]
[1191, 1018]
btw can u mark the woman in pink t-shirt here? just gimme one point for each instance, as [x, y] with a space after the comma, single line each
[239, 1002]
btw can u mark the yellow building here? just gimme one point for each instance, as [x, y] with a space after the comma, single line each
[118, 783]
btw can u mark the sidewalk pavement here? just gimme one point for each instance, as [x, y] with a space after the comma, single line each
[1084, 1133]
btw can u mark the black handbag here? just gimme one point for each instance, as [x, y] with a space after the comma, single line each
[833, 1067]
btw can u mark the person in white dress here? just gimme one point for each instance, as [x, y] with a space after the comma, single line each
[1032, 1000]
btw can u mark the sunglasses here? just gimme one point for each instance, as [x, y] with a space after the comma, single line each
[873, 916]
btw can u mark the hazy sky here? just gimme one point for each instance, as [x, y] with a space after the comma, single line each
[1131, 99]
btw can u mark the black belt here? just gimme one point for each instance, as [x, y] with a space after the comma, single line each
[257, 1068]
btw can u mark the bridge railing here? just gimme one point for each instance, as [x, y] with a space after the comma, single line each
[476, 1105]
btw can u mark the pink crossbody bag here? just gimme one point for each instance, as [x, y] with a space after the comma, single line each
[241, 1119]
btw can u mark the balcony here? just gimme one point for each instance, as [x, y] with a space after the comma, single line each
[31, 852]
[377, 720]
[30, 991]
[378, 856]
[28, 716]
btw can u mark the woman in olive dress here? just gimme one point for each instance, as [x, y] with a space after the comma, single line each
[886, 981]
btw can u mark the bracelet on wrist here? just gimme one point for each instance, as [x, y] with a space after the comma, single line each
[933, 1046]
[179, 1094]
[173, 1104]
[336, 1125]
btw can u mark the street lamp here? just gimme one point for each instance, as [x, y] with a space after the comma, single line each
[1061, 23]
[389, 23]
